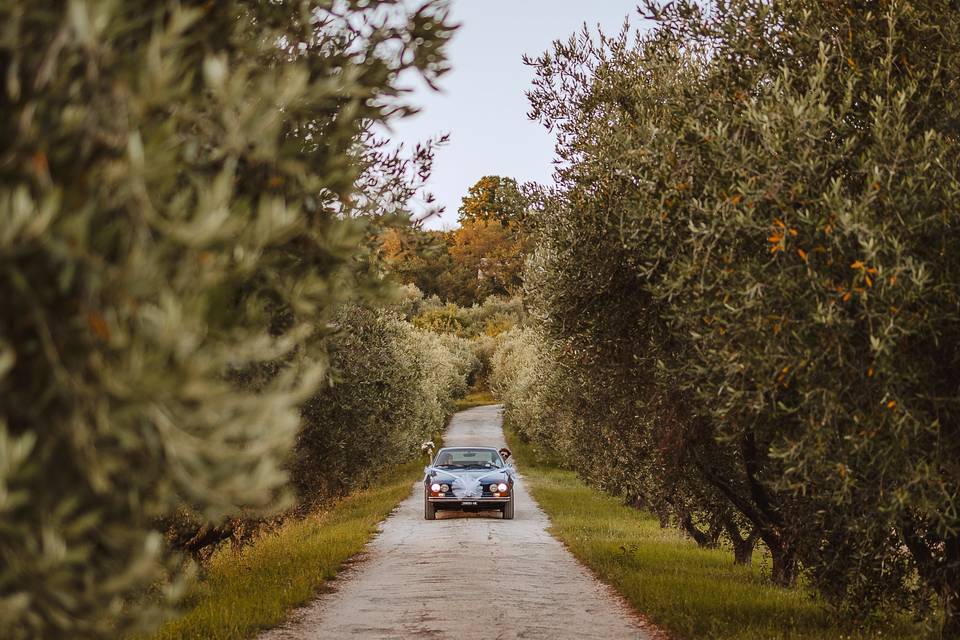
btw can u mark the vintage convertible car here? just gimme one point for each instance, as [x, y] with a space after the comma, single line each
[468, 479]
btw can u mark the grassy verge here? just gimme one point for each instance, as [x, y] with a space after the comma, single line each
[475, 399]
[255, 589]
[687, 591]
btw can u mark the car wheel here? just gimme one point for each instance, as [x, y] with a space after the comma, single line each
[508, 510]
[429, 509]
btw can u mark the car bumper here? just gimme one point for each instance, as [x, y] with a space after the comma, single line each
[468, 502]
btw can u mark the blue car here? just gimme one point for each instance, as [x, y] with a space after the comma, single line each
[468, 479]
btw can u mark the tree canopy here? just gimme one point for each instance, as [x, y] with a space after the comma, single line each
[494, 198]
[482, 257]
[181, 195]
[745, 283]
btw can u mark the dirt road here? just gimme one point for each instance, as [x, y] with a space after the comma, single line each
[465, 576]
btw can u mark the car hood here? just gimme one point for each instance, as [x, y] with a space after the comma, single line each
[444, 475]
[467, 483]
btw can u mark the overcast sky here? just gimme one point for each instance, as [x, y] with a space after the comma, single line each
[483, 105]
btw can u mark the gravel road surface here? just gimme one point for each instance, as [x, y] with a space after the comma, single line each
[465, 576]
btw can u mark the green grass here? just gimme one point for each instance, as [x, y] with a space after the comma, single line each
[475, 399]
[254, 589]
[687, 591]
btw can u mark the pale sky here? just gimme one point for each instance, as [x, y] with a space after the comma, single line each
[483, 105]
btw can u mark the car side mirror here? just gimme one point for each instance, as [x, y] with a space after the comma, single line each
[427, 470]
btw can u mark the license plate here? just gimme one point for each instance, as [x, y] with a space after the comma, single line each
[469, 504]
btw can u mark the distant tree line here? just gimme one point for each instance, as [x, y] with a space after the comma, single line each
[745, 287]
[482, 257]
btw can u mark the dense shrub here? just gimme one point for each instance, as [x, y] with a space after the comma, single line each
[482, 324]
[749, 256]
[177, 219]
[518, 365]
[493, 316]
[393, 387]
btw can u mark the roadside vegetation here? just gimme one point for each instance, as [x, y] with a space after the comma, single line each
[742, 292]
[253, 588]
[393, 388]
[192, 305]
[685, 589]
[398, 372]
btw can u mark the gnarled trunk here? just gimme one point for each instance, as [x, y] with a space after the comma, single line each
[707, 539]
[742, 546]
[938, 561]
[784, 573]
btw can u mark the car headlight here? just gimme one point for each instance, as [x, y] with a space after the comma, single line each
[444, 488]
[502, 487]
[435, 487]
[493, 488]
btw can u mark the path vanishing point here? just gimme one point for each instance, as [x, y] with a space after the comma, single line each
[465, 576]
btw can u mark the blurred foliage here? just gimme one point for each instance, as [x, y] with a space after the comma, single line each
[744, 284]
[182, 190]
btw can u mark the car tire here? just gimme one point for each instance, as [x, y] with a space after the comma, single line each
[429, 509]
[508, 510]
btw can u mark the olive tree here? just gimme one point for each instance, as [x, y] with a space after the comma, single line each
[178, 183]
[767, 192]
[392, 387]
[588, 285]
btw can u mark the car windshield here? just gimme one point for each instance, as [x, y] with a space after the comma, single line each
[468, 459]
